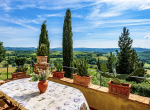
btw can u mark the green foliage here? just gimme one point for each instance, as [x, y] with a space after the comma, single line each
[2, 52]
[82, 67]
[142, 89]
[11, 60]
[58, 65]
[34, 77]
[44, 40]
[99, 54]
[67, 43]
[98, 65]
[21, 68]
[5, 64]
[20, 61]
[14, 64]
[115, 76]
[33, 58]
[109, 64]
[147, 75]
[42, 77]
[125, 44]
[42, 50]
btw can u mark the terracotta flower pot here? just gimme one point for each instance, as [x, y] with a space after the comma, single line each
[82, 80]
[42, 85]
[42, 59]
[58, 74]
[19, 74]
[122, 90]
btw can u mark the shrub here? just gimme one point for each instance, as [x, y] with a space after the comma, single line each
[82, 67]
[21, 69]
[20, 61]
[58, 65]
[42, 50]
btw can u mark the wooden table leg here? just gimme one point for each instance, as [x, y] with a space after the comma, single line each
[9, 104]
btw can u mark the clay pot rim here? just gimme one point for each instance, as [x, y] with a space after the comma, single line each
[19, 72]
[42, 80]
[42, 56]
[59, 71]
[88, 76]
[122, 84]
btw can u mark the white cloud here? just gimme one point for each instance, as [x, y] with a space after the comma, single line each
[148, 36]
[116, 8]
[54, 15]
[76, 15]
[21, 22]
[145, 6]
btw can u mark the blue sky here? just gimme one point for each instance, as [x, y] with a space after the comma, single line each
[95, 23]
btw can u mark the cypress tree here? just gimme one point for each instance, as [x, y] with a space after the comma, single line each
[124, 55]
[67, 43]
[2, 52]
[44, 39]
[99, 65]
[109, 64]
[134, 60]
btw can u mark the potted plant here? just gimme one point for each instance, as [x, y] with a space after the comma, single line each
[58, 73]
[82, 77]
[42, 77]
[42, 54]
[115, 86]
[20, 72]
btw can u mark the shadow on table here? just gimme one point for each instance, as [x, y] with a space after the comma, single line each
[26, 97]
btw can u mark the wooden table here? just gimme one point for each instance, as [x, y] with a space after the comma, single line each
[26, 96]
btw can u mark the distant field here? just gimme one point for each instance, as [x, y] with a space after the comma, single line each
[9, 51]
[77, 52]
[10, 69]
[148, 71]
[147, 65]
[33, 54]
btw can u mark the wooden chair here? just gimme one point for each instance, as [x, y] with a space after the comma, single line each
[2, 82]
[10, 106]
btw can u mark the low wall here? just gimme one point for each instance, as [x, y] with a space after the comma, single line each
[99, 98]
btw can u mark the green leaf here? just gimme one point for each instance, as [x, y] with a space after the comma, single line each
[136, 72]
[116, 81]
[103, 67]
[122, 76]
[107, 75]
[114, 69]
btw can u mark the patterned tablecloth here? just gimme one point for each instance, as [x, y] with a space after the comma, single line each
[26, 96]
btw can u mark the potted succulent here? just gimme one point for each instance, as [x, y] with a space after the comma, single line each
[42, 54]
[42, 77]
[20, 72]
[115, 86]
[58, 73]
[82, 77]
